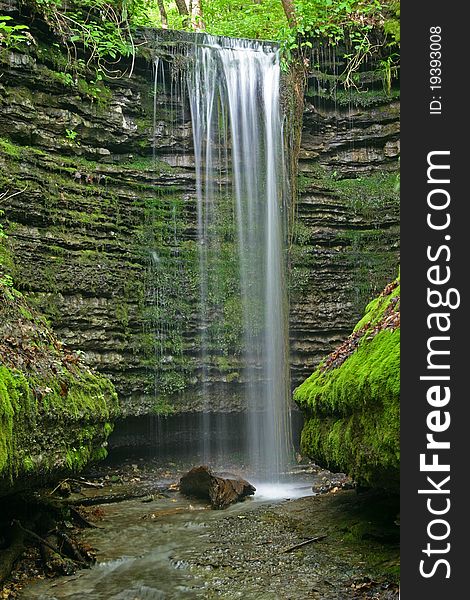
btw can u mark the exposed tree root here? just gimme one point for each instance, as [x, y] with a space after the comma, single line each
[10, 555]
[28, 521]
[110, 499]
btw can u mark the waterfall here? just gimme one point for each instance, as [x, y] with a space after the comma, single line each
[233, 90]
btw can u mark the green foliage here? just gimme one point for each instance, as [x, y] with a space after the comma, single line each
[101, 28]
[12, 37]
[71, 135]
[392, 21]
[6, 280]
[263, 20]
[105, 30]
[2, 233]
[162, 407]
[348, 22]
[5, 260]
[65, 79]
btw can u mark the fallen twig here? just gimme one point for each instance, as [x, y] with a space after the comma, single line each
[96, 500]
[7, 196]
[58, 486]
[89, 484]
[304, 543]
[81, 520]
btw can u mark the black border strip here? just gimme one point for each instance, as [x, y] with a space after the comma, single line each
[425, 131]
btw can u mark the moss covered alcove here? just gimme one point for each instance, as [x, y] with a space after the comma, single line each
[100, 213]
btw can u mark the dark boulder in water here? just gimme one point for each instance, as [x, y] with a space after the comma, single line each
[201, 482]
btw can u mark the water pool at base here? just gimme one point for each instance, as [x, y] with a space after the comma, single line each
[141, 548]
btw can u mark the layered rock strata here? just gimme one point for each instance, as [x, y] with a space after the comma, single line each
[104, 231]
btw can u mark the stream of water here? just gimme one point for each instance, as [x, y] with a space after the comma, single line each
[149, 551]
[233, 89]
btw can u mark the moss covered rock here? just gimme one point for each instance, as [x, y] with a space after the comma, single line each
[352, 400]
[55, 413]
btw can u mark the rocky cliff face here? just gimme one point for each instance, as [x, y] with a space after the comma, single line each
[346, 235]
[103, 232]
[352, 400]
[55, 414]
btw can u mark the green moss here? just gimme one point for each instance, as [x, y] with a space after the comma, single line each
[376, 309]
[10, 149]
[82, 403]
[95, 90]
[51, 54]
[366, 196]
[149, 163]
[6, 260]
[76, 459]
[54, 412]
[370, 195]
[171, 382]
[16, 399]
[372, 371]
[352, 410]
[162, 407]
[356, 98]
[28, 464]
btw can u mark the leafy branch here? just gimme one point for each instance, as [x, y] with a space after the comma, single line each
[99, 27]
[12, 37]
[348, 22]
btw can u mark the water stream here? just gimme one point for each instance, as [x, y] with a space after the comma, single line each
[150, 551]
[233, 88]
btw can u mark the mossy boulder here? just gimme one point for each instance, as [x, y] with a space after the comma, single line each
[55, 413]
[352, 400]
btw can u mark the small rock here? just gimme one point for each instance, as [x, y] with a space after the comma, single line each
[64, 489]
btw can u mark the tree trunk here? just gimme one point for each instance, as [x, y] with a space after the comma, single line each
[198, 22]
[183, 11]
[53, 562]
[161, 8]
[289, 9]
[182, 8]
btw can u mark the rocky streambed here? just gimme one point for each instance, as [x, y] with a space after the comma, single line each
[280, 544]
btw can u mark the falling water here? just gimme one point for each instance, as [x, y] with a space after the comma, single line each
[233, 89]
